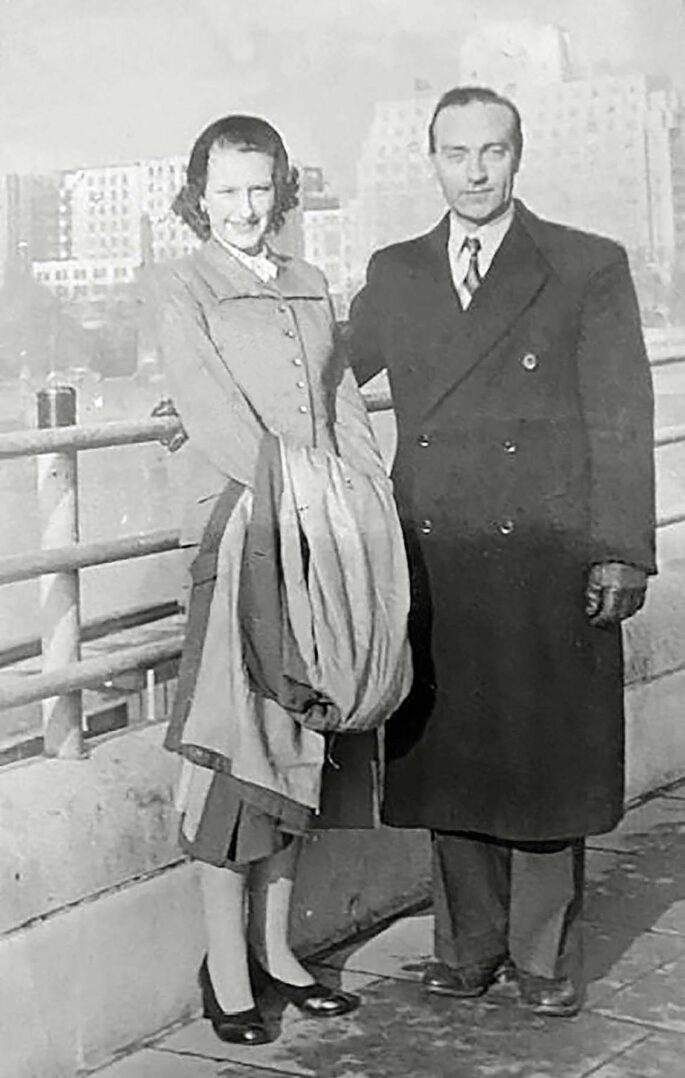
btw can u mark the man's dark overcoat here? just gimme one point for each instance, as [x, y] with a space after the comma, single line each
[525, 455]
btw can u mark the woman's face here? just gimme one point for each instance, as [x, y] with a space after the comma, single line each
[239, 196]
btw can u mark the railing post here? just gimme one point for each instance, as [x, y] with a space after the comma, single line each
[59, 592]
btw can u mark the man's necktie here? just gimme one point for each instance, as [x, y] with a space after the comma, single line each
[473, 279]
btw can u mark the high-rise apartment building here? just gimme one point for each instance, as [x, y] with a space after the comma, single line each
[325, 235]
[160, 181]
[397, 195]
[109, 203]
[36, 218]
[600, 155]
[105, 207]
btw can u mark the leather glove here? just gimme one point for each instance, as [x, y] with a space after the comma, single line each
[615, 591]
[162, 410]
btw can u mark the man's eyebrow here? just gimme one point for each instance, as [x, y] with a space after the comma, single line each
[485, 146]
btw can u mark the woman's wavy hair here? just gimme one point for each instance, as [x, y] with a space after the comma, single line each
[251, 135]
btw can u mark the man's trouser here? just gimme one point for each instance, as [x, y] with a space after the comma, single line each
[496, 899]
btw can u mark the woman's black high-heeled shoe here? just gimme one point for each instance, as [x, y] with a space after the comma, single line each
[237, 1027]
[314, 1000]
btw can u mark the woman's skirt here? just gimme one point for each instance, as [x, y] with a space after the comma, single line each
[241, 822]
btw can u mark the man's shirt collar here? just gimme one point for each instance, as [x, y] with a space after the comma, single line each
[490, 236]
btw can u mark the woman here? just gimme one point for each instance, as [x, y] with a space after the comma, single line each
[249, 344]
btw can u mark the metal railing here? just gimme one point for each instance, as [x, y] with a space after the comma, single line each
[64, 675]
[64, 672]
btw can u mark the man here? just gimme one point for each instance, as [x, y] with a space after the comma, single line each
[524, 476]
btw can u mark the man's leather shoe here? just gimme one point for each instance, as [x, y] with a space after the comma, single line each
[442, 980]
[550, 997]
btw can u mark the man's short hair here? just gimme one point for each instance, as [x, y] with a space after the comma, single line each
[483, 95]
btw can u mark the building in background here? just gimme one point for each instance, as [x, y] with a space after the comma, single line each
[36, 218]
[601, 154]
[85, 280]
[88, 235]
[397, 195]
[507, 55]
[325, 234]
[604, 153]
[109, 203]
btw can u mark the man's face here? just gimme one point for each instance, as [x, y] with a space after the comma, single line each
[474, 160]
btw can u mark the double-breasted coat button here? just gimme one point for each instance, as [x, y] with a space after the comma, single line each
[530, 361]
[304, 409]
[297, 362]
[289, 332]
[509, 446]
[423, 440]
[426, 527]
[301, 384]
[505, 527]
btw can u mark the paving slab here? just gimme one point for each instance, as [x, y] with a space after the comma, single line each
[402, 949]
[401, 1033]
[657, 1056]
[654, 817]
[615, 957]
[150, 1063]
[601, 863]
[657, 1000]
[642, 886]
[633, 1025]
[295, 1031]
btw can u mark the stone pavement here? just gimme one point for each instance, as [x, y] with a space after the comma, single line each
[633, 1025]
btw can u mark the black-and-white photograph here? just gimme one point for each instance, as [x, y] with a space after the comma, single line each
[342, 539]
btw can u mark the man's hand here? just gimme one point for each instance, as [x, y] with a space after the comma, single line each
[615, 591]
[162, 410]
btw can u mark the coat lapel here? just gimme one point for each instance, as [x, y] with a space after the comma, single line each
[516, 276]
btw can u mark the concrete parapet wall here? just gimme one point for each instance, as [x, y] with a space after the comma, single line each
[100, 920]
[655, 674]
